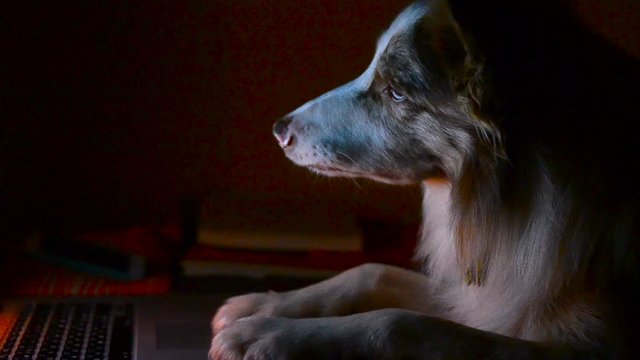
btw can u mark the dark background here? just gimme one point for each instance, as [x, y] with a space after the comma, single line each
[115, 113]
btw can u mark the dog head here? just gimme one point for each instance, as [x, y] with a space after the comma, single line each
[405, 119]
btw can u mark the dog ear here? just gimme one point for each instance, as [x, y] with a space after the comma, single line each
[464, 61]
[461, 57]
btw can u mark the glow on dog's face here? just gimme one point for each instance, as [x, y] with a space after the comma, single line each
[396, 123]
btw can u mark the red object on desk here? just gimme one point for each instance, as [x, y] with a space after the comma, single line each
[36, 279]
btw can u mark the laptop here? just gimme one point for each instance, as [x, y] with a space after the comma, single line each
[137, 328]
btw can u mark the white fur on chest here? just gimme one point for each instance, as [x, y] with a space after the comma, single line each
[501, 304]
[437, 243]
[454, 298]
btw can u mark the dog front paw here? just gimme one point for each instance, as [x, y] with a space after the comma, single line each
[254, 337]
[255, 304]
[258, 337]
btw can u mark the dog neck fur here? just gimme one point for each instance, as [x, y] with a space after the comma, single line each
[524, 251]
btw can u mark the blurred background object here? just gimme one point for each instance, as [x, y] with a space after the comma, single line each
[114, 113]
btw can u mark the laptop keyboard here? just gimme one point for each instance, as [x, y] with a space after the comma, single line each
[71, 331]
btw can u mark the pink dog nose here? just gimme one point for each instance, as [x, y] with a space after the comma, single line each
[282, 132]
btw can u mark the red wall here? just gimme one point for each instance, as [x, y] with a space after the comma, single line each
[119, 111]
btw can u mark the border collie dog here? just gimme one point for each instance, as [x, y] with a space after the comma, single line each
[521, 128]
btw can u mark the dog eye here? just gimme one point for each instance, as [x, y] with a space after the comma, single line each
[395, 95]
